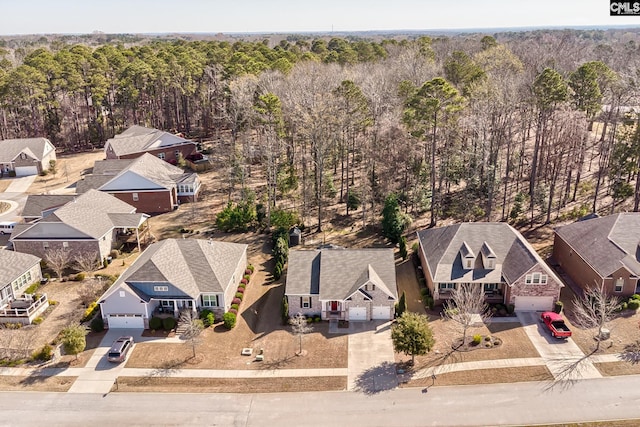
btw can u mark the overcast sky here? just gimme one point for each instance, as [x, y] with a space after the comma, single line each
[238, 16]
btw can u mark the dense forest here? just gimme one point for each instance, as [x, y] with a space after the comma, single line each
[527, 127]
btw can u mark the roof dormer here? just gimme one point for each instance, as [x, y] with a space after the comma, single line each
[488, 256]
[467, 256]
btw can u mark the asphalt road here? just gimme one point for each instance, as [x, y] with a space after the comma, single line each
[500, 404]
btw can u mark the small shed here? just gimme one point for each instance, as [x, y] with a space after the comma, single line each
[295, 236]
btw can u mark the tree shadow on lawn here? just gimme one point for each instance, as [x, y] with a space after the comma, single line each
[377, 379]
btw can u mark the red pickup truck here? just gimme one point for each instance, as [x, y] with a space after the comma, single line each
[555, 323]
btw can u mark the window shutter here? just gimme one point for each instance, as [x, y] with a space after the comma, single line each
[300, 302]
[309, 302]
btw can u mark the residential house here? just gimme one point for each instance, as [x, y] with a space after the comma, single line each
[174, 275]
[27, 156]
[601, 252]
[137, 140]
[148, 183]
[93, 222]
[489, 254]
[17, 272]
[38, 206]
[342, 284]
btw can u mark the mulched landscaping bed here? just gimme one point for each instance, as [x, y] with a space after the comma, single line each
[229, 385]
[35, 383]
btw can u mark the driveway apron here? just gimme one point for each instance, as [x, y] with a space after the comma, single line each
[20, 185]
[563, 358]
[100, 374]
[371, 367]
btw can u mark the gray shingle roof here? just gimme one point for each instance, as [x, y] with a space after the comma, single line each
[14, 264]
[336, 274]
[86, 215]
[138, 139]
[107, 173]
[35, 147]
[606, 243]
[514, 256]
[192, 266]
[37, 203]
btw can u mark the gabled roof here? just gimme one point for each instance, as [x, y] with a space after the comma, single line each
[513, 254]
[336, 274]
[138, 139]
[606, 243]
[86, 216]
[36, 148]
[14, 264]
[146, 172]
[36, 204]
[188, 266]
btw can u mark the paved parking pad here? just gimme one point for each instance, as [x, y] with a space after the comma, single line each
[563, 358]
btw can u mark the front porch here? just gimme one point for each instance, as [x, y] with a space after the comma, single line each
[24, 309]
[333, 310]
[494, 293]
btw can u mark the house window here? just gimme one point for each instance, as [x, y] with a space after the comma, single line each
[65, 244]
[135, 197]
[619, 284]
[491, 287]
[369, 287]
[446, 287]
[161, 289]
[305, 302]
[45, 245]
[166, 303]
[176, 153]
[468, 263]
[161, 156]
[210, 300]
[490, 265]
[536, 279]
[23, 156]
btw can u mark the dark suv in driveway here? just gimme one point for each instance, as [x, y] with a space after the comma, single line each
[119, 349]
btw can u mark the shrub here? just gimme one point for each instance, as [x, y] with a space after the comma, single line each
[477, 339]
[250, 268]
[114, 253]
[248, 272]
[97, 324]
[44, 354]
[242, 285]
[247, 276]
[487, 338]
[79, 277]
[204, 313]
[511, 308]
[557, 308]
[12, 174]
[415, 247]
[403, 248]
[317, 319]
[633, 304]
[429, 302]
[236, 301]
[635, 296]
[90, 311]
[241, 290]
[229, 320]
[209, 320]
[284, 310]
[234, 311]
[488, 344]
[235, 306]
[244, 281]
[32, 289]
[277, 271]
[155, 323]
[168, 323]
[53, 302]
[37, 320]
[623, 306]
[239, 295]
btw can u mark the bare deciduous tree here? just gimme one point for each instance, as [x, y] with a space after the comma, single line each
[86, 261]
[58, 260]
[193, 328]
[466, 308]
[594, 310]
[300, 327]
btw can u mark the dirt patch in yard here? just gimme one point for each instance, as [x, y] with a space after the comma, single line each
[69, 169]
[514, 344]
[36, 383]
[486, 376]
[4, 184]
[408, 283]
[229, 385]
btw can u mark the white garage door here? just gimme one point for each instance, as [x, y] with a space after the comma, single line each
[357, 313]
[126, 322]
[534, 303]
[26, 170]
[381, 313]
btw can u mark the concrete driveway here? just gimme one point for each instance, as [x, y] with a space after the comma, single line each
[563, 358]
[371, 366]
[21, 184]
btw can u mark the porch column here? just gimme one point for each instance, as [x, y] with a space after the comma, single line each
[138, 238]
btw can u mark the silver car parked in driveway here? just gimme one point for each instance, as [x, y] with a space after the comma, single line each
[119, 349]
